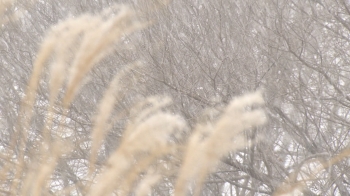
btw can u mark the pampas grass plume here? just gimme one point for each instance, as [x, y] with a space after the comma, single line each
[77, 45]
[223, 136]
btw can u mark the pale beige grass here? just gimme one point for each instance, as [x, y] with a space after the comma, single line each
[77, 45]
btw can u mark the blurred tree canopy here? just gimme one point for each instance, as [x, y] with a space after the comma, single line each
[202, 53]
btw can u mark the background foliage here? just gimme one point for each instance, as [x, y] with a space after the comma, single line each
[202, 54]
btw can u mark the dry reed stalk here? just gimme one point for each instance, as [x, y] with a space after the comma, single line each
[99, 33]
[98, 40]
[202, 154]
[146, 137]
[26, 113]
[58, 44]
[145, 186]
[149, 136]
[11, 10]
[65, 36]
[287, 188]
[4, 5]
[27, 104]
[37, 178]
[141, 166]
[105, 108]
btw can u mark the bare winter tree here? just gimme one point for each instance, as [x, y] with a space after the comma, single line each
[202, 54]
